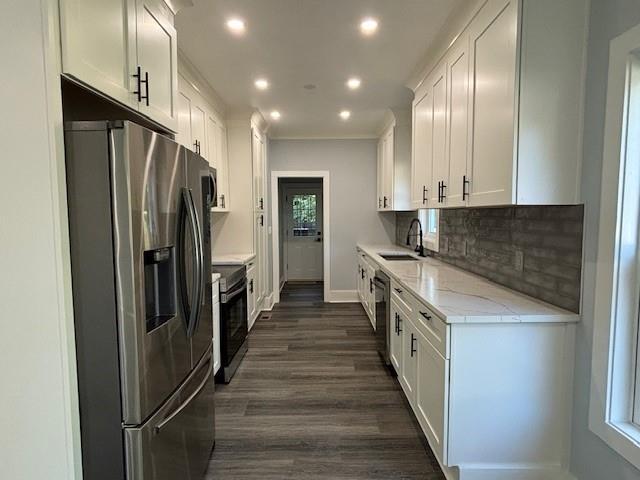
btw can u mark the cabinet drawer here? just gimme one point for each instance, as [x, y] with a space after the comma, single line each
[402, 297]
[432, 327]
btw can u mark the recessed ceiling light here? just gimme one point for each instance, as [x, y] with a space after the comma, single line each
[261, 84]
[275, 115]
[345, 114]
[368, 26]
[353, 83]
[236, 25]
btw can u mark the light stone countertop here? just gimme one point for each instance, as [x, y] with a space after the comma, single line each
[215, 277]
[233, 259]
[457, 296]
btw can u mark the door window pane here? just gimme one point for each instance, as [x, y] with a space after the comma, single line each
[304, 215]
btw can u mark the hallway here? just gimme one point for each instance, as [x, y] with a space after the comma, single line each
[311, 400]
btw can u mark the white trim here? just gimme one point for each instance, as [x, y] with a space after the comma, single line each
[326, 221]
[363, 136]
[344, 296]
[609, 407]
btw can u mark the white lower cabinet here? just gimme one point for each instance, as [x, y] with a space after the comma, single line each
[251, 294]
[215, 307]
[408, 375]
[493, 399]
[431, 396]
[366, 289]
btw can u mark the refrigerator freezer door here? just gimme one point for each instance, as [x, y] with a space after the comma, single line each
[147, 178]
[198, 181]
[176, 442]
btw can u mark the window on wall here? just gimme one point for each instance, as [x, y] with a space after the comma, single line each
[304, 215]
[429, 218]
[614, 412]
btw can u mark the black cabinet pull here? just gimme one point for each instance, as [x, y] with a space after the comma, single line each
[262, 220]
[465, 183]
[426, 315]
[362, 273]
[399, 322]
[398, 290]
[196, 146]
[261, 203]
[146, 83]
[371, 285]
[439, 192]
[413, 350]
[138, 77]
[251, 286]
[444, 187]
[385, 202]
[379, 202]
[424, 194]
[222, 200]
[396, 325]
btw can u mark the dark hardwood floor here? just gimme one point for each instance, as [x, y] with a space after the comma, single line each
[311, 400]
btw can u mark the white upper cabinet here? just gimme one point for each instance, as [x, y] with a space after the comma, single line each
[184, 135]
[457, 122]
[394, 162]
[440, 179]
[506, 98]
[422, 151]
[493, 119]
[158, 61]
[126, 49]
[98, 45]
[218, 158]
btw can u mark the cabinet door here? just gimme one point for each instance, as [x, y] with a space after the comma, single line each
[251, 294]
[184, 134]
[157, 57]
[216, 335]
[259, 249]
[458, 118]
[224, 194]
[431, 405]
[371, 291]
[493, 40]
[99, 45]
[198, 130]
[396, 344]
[422, 152]
[408, 377]
[387, 176]
[380, 173]
[440, 178]
[257, 152]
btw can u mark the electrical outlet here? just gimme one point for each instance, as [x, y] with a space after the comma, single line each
[519, 260]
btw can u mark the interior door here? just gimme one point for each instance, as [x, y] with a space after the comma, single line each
[304, 233]
[157, 57]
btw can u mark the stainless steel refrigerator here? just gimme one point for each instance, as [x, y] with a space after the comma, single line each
[140, 255]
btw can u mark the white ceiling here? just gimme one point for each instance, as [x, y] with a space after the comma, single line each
[293, 43]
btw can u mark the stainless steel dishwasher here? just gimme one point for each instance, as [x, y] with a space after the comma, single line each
[383, 313]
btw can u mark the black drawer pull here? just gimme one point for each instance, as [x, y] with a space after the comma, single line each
[399, 290]
[426, 315]
[413, 350]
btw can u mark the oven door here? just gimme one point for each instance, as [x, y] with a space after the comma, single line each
[233, 321]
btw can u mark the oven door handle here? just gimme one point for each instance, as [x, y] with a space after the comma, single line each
[226, 297]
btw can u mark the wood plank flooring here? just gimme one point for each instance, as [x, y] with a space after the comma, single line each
[311, 400]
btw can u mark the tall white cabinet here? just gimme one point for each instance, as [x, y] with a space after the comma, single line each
[497, 120]
[394, 162]
[125, 49]
[202, 129]
[260, 234]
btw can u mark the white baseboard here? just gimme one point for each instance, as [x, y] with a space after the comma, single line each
[514, 474]
[343, 296]
[268, 302]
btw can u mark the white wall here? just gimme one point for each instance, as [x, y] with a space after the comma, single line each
[39, 434]
[591, 458]
[352, 169]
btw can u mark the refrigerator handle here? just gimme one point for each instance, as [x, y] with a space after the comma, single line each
[189, 399]
[198, 274]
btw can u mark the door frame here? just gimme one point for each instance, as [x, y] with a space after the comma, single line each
[326, 236]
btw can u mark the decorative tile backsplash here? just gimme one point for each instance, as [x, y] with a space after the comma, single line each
[534, 250]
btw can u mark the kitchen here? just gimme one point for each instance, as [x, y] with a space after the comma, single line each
[152, 154]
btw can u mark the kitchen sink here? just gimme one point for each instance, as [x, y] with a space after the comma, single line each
[398, 256]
